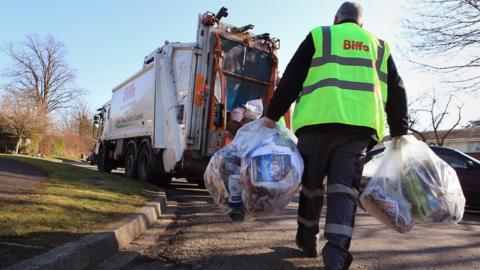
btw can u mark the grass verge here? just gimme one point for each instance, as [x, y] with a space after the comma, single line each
[72, 202]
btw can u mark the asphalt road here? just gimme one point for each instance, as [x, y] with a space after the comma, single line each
[196, 235]
[18, 178]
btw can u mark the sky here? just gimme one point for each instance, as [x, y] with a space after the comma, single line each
[107, 40]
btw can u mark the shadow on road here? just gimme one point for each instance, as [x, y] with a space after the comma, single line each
[201, 237]
[16, 248]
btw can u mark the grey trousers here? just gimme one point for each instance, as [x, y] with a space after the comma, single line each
[338, 156]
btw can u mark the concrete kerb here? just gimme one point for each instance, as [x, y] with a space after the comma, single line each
[96, 247]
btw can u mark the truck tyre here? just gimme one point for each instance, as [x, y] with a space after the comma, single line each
[147, 162]
[103, 164]
[130, 162]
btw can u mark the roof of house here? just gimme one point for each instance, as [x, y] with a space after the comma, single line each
[456, 134]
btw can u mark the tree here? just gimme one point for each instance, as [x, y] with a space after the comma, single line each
[19, 116]
[39, 69]
[436, 114]
[441, 29]
[414, 119]
[82, 117]
[75, 127]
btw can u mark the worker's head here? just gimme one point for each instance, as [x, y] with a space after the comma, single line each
[349, 11]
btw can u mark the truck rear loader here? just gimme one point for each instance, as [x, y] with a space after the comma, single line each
[170, 117]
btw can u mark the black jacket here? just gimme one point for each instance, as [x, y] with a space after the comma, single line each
[295, 74]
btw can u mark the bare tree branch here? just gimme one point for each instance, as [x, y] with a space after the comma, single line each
[446, 29]
[19, 116]
[39, 68]
[436, 112]
[453, 126]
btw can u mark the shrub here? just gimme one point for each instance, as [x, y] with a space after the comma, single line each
[58, 146]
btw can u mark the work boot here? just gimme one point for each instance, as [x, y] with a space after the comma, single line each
[237, 215]
[310, 249]
[336, 257]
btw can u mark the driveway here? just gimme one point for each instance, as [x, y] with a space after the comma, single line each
[18, 178]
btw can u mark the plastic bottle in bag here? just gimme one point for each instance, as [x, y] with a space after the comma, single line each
[235, 190]
[235, 199]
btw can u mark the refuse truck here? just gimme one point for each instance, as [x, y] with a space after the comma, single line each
[170, 117]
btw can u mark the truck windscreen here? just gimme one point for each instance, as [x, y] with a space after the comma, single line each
[247, 72]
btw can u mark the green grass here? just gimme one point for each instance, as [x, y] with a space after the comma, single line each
[64, 158]
[66, 204]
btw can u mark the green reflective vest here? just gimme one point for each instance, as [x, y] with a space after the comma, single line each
[347, 79]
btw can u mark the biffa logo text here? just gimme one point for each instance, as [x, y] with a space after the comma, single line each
[129, 92]
[355, 45]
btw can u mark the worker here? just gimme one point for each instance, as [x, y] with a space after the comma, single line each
[343, 79]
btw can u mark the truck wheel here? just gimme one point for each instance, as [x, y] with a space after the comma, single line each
[143, 167]
[130, 162]
[147, 162]
[103, 163]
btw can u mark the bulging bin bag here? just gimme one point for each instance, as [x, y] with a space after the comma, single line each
[430, 184]
[269, 165]
[410, 182]
[383, 197]
[222, 165]
[271, 172]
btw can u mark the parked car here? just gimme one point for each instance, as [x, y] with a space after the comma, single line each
[467, 168]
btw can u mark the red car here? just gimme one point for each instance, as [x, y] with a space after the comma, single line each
[467, 168]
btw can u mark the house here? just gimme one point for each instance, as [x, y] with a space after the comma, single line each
[466, 140]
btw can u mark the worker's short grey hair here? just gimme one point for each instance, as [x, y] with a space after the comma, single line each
[350, 11]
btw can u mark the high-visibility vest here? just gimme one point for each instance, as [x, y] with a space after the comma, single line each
[347, 79]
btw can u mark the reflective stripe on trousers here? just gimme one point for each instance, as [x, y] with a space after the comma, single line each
[338, 229]
[335, 154]
[339, 188]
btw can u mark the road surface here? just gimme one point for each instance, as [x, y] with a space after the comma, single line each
[196, 235]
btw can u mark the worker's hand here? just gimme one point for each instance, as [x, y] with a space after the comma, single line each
[396, 141]
[268, 123]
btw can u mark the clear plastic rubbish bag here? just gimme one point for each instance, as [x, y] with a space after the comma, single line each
[253, 109]
[271, 172]
[430, 184]
[269, 165]
[383, 197]
[410, 182]
[222, 165]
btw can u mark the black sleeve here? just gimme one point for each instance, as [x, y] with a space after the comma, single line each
[396, 107]
[292, 81]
